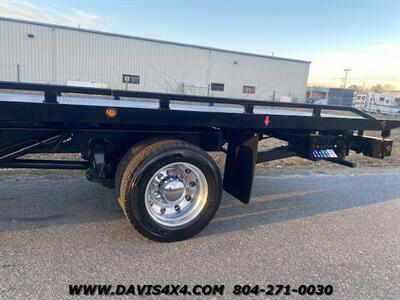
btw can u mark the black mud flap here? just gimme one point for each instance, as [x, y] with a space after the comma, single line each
[240, 165]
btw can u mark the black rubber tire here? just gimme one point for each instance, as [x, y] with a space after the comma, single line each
[137, 167]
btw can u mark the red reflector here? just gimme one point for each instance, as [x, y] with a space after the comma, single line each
[267, 121]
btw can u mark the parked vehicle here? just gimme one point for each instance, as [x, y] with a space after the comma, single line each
[154, 153]
[383, 103]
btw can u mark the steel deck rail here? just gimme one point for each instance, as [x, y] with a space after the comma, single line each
[52, 91]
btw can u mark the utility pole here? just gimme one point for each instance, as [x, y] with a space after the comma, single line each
[345, 77]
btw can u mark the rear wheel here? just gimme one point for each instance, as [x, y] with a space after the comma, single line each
[169, 189]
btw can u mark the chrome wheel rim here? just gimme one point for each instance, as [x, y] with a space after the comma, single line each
[176, 194]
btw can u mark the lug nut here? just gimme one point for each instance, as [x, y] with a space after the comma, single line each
[188, 171]
[162, 210]
[188, 198]
[160, 176]
[192, 184]
[177, 208]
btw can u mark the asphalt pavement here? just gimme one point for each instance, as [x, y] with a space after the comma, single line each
[340, 228]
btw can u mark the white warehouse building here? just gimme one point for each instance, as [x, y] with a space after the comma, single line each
[43, 53]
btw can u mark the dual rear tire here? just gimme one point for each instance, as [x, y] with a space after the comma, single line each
[168, 189]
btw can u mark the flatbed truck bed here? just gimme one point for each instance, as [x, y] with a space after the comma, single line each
[152, 147]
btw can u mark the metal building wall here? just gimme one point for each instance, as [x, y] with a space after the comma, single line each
[58, 55]
[24, 58]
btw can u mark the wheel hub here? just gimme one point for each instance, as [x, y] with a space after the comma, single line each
[172, 190]
[176, 194]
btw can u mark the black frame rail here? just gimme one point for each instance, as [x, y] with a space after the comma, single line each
[51, 92]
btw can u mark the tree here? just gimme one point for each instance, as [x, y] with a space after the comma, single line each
[354, 87]
[379, 88]
[388, 88]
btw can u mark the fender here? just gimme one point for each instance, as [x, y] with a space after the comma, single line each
[240, 165]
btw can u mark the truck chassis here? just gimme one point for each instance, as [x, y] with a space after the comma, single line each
[152, 147]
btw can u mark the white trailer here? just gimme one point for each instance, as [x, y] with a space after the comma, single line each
[383, 103]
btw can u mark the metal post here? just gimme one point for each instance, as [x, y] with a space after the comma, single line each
[18, 74]
[208, 95]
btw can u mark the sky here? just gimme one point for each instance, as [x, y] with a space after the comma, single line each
[361, 35]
